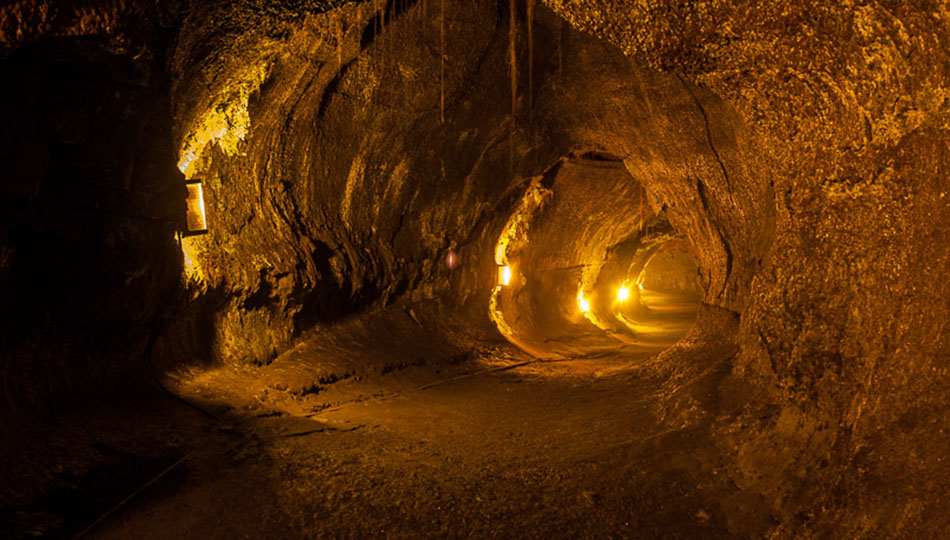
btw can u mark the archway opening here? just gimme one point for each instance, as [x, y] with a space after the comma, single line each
[587, 268]
[664, 294]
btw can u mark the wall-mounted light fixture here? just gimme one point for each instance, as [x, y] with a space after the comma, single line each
[504, 276]
[582, 303]
[623, 294]
[195, 219]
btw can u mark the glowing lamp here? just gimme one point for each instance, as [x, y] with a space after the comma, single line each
[504, 275]
[623, 294]
[195, 220]
[582, 303]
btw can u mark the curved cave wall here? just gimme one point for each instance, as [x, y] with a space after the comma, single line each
[583, 232]
[798, 154]
[845, 321]
[341, 166]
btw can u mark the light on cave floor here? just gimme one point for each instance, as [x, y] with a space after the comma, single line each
[623, 294]
[504, 275]
[582, 303]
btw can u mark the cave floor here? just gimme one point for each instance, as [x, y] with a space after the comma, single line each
[570, 449]
[374, 429]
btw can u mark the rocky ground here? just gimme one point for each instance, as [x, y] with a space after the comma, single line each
[496, 443]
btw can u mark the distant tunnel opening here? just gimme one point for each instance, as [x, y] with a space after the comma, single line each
[671, 270]
[586, 267]
[664, 294]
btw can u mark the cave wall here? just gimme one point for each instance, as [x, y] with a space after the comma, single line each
[342, 195]
[671, 270]
[337, 180]
[846, 324]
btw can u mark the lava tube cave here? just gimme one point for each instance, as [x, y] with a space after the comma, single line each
[480, 269]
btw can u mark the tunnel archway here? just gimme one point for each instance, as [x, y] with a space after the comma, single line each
[665, 294]
[348, 151]
[580, 240]
[373, 223]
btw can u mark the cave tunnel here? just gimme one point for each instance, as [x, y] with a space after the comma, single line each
[482, 268]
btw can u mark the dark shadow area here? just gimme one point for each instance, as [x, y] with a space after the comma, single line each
[89, 208]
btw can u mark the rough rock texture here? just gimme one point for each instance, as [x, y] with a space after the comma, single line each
[346, 150]
[671, 270]
[337, 186]
[846, 324]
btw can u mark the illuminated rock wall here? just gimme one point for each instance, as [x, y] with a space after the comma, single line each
[800, 150]
[846, 324]
[339, 188]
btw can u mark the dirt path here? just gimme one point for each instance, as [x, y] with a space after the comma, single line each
[568, 450]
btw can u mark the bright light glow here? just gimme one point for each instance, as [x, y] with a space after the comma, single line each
[504, 275]
[582, 302]
[226, 122]
[623, 294]
[191, 248]
[500, 252]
